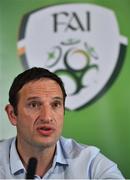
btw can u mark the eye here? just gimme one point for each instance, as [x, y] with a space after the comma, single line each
[34, 104]
[56, 104]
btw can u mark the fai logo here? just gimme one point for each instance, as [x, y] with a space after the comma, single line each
[79, 42]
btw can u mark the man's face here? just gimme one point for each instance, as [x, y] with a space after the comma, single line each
[40, 113]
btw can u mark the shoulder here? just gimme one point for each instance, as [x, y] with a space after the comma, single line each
[74, 149]
[5, 147]
[6, 142]
[89, 160]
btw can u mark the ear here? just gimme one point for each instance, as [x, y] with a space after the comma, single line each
[11, 115]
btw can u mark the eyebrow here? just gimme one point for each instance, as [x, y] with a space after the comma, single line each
[36, 98]
[58, 98]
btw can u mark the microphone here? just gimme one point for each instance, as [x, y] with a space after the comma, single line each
[31, 168]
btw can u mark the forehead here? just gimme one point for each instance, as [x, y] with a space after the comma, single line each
[42, 86]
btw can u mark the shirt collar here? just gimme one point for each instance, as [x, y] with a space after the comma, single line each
[15, 162]
[60, 155]
[17, 166]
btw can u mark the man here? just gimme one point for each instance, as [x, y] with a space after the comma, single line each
[37, 104]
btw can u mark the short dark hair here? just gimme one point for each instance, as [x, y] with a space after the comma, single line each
[27, 76]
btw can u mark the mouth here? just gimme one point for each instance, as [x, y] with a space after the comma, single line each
[45, 130]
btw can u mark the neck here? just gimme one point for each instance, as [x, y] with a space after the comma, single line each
[43, 155]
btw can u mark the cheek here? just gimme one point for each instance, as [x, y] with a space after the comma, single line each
[27, 114]
[26, 119]
[60, 120]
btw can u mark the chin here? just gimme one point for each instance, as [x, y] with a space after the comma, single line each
[45, 143]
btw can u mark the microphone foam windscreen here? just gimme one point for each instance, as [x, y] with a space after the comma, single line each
[31, 168]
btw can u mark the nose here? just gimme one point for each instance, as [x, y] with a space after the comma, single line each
[46, 114]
